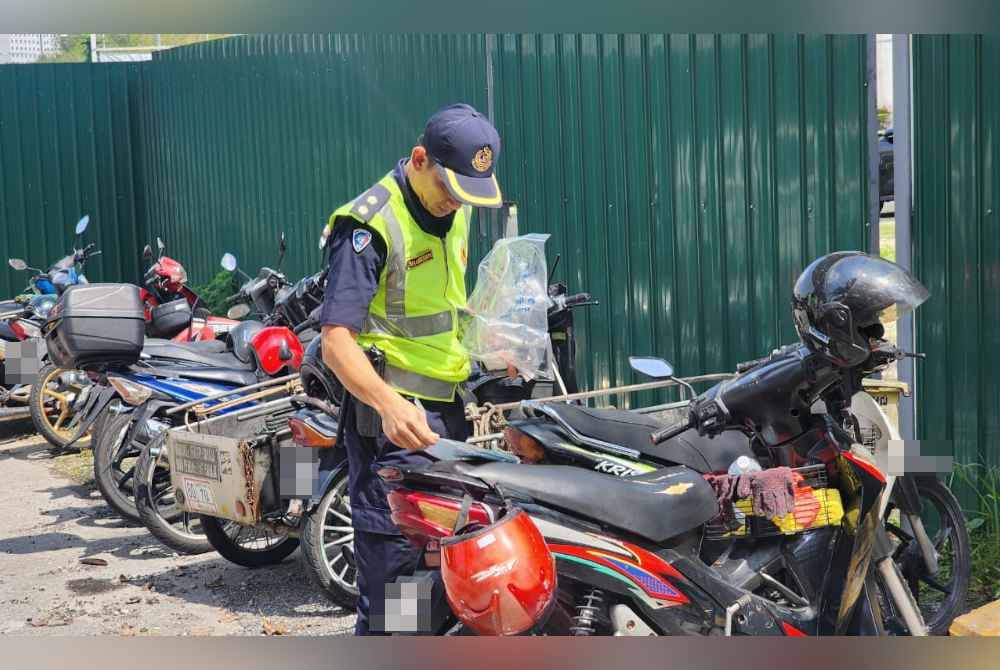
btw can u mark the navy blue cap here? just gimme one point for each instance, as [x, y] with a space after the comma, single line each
[465, 146]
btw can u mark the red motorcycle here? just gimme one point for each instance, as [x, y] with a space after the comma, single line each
[171, 308]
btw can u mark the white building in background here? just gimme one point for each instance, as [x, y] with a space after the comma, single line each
[27, 48]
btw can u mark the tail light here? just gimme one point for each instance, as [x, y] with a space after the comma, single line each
[424, 518]
[132, 393]
[525, 447]
[306, 435]
[18, 329]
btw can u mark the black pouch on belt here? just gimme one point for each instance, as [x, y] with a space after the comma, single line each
[369, 423]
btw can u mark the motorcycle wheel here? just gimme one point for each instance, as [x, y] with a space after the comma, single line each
[245, 545]
[325, 534]
[941, 597]
[158, 510]
[114, 464]
[51, 405]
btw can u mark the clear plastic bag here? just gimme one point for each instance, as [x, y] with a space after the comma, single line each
[508, 308]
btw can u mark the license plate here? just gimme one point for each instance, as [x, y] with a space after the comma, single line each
[196, 459]
[198, 496]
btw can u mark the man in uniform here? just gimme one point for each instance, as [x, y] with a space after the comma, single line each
[398, 254]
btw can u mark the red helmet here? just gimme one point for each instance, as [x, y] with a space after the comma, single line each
[277, 349]
[499, 579]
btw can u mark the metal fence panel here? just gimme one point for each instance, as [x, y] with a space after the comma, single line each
[65, 151]
[956, 248]
[686, 180]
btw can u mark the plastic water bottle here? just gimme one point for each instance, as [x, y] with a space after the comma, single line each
[744, 465]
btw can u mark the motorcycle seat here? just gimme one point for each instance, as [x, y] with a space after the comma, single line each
[657, 506]
[210, 353]
[630, 429]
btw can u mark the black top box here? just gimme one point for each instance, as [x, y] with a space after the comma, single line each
[96, 325]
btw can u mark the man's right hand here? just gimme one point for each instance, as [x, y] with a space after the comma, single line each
[406, 426]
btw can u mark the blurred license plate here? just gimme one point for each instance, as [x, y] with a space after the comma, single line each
[198, 496]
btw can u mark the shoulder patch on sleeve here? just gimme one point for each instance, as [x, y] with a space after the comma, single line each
[360, 239]
[370, 202]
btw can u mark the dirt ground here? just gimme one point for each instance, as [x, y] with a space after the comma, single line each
[52, 517]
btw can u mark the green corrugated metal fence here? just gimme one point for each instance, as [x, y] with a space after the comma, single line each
[65, 151]
[241, 149]
[685, 179]
[956, 149]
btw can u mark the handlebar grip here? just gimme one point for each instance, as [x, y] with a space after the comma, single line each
[233, 299]
[669, 432]
[305, 325]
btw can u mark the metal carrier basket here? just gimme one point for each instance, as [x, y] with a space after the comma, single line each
[816, 506]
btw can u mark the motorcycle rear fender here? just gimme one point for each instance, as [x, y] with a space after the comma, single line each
[332, 465]
[95, 405]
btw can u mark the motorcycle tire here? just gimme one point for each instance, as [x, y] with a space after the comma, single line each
[325, 531]
[44, 425]
[224, 536]
[112, 450]
[940, 601]
[157, 508]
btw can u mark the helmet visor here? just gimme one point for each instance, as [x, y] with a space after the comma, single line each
[873, 289]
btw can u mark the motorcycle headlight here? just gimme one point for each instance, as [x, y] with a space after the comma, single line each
[132, 393]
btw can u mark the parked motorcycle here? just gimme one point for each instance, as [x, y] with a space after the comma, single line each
[662, 552]
[173, 309]
[56, 393]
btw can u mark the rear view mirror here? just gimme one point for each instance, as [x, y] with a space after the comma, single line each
[229, 262]
[82, 224]
[238, 311]
[282, 245]
[147, 253]
[17, 264]
[657, 368]
[160, 246]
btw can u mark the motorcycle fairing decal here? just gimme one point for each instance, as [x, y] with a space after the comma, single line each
[635, 466]
[559, 533]
[792, 631]
[651, 584]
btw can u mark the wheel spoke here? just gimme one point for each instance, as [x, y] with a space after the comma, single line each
[935, 584]
[342, 517]
[339, 529]
[340, 540]
[347, 566]
[339, 556]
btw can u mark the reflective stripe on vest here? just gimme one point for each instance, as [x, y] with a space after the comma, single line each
[405, 379]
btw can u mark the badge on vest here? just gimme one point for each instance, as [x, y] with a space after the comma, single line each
[419, 259]
[361, 239]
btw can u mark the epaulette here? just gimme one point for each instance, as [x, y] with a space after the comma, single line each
[370, 202]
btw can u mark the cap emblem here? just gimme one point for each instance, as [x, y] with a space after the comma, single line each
[483, 160]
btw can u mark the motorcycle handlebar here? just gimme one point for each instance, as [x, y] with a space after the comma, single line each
[670, 432]
[233, 299]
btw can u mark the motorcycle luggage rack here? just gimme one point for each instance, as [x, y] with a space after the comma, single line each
[816, 506]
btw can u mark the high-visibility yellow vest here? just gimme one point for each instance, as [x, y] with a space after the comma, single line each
[413, 318]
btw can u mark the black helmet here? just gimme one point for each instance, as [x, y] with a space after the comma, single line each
[318, 381]
[843, 299]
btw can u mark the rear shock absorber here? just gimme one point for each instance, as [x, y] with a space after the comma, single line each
[586, 613]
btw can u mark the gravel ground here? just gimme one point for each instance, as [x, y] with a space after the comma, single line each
[52, 518]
